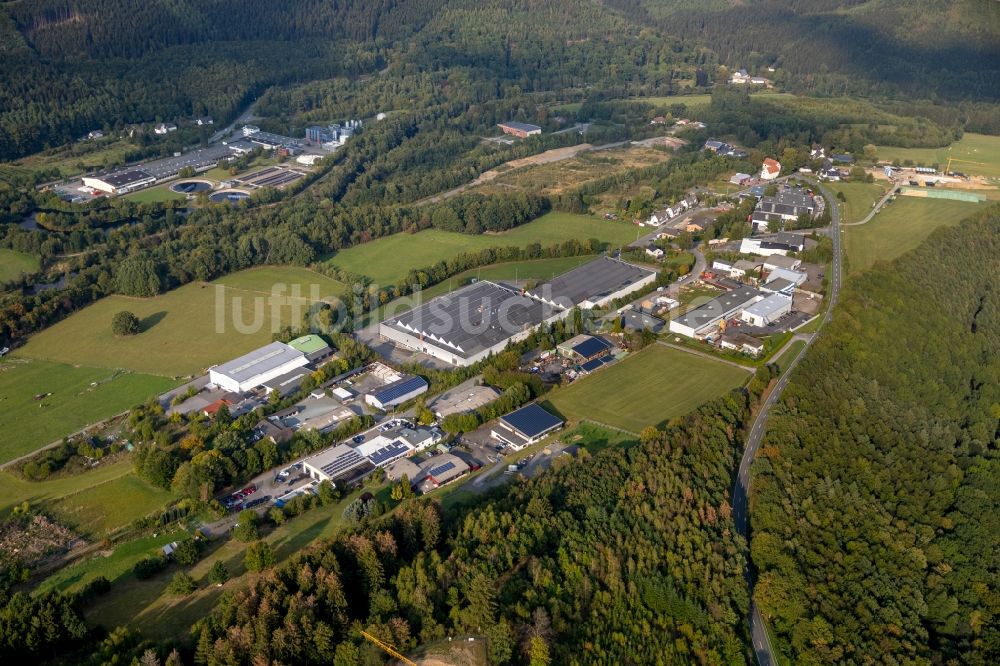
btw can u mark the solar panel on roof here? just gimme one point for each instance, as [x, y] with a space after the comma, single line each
[342, 463]
[399, 388]
[591, 346]
[591, 365]
[387, 453]
[532, 420]
[434, 471]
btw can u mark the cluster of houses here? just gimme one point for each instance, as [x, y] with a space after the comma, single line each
[670, 212]
[741, 77]
[833, 168]
[788, 204]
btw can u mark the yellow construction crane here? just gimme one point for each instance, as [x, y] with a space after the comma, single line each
[388, 648]
[947, 168]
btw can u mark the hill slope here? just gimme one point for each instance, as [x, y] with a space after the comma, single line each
[877, 493]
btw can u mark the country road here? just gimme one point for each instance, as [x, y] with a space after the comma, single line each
[741, 490]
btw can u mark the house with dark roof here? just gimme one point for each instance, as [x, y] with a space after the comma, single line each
[584, 348]
[525, 426]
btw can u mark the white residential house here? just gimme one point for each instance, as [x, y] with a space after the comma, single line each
[654, 252]
[771, 169]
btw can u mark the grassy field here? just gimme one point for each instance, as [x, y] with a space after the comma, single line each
[860, 197]
[145, 604]
[789, 354]
[185, 330]
[972, 147]
[13, 264]
[155, 195]
[14, 490]
[111, 565]
[900, 227]
[290, 281]
[75, 401]
[647, 388]
[387, 260]
[64, 159]
[108, 506]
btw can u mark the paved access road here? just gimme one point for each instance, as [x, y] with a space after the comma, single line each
[761, 644]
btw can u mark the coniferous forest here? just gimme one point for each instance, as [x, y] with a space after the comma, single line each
[70, 66]
[877, 490]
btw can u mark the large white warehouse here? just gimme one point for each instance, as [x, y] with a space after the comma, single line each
[256, 368]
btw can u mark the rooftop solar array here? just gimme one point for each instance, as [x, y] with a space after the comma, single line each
[592, 346]
[440, 469]
[590, 366]
[399, 388]
[592, 281]
[337, 461]
[531, 420]
[388, 453]
[472, 319]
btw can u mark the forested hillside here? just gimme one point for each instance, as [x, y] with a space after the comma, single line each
[596, 561]
[877, 491]
[71, 66]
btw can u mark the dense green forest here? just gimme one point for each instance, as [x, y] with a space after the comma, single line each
[70, 66]
[877, 491]
[593, 562]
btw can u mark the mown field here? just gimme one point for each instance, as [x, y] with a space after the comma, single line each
[14, 490]
[155, 195]
[185, 330]
[647, 388]
[860, 197]
[75, 402]
[13, 264]
[108, 506]
[899, 227]
[387, 260]
[972, 147]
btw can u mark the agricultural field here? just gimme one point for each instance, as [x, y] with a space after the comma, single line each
[13, 264]
[860, 197]
[899, 227]
[647, 388]
[106, 507]
[79, 396]
[155, 195]
[388, 260]
[972, 147]
[184, 330]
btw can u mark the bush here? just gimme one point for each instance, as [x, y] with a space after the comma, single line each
[149, 566]
[125, 323]
[259, 556]
[182, 584]
[187, 552]
[246, 527]
[218, 574]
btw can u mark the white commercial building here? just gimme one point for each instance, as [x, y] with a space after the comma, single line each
[256, 368]
[336, 463]
[119, 182]
[705, 319]
[767, 311]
